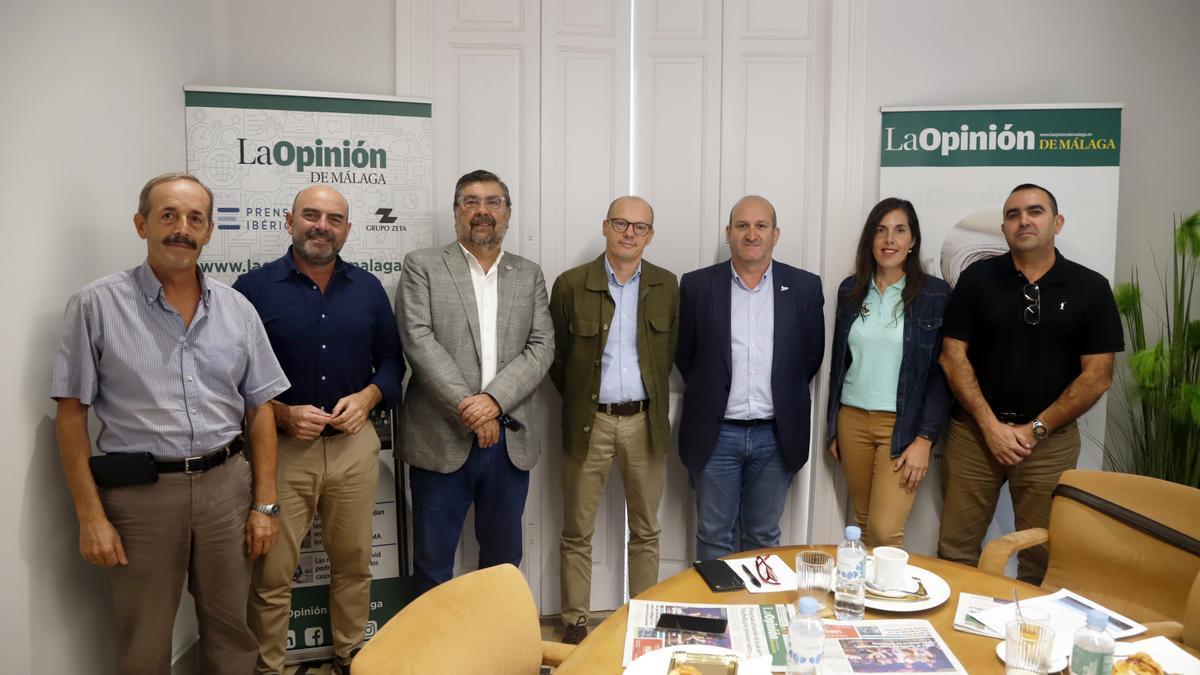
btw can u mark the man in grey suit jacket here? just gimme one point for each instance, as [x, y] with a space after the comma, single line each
[475, 325]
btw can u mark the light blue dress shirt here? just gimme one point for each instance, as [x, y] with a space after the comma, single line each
[752, 336]
[620, 376]
[876, 348]
[155, 385]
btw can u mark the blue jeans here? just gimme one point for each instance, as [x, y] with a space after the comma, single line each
[440, 501]
[744, 483]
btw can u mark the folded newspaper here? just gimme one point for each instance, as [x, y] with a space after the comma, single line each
[969, 605]
[754, 631]
[1068, 613]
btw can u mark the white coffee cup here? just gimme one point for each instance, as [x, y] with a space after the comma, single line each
[890, 566]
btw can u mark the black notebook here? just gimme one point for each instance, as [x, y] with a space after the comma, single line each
[719, 575]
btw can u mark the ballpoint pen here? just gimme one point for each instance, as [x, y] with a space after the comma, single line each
[753, 579]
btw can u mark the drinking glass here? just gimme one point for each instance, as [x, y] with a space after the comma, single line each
[814, 576]
[1027, 647]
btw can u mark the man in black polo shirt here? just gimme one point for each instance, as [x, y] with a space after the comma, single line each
[1029, 344]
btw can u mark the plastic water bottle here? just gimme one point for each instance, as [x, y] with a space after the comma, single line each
[806, 637]
[1093, 650]
[848, 591]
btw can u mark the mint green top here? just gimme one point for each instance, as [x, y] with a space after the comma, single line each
[876, 348]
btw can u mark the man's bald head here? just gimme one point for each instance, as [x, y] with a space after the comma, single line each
[753, 199]
[629, 200]
[326, 190]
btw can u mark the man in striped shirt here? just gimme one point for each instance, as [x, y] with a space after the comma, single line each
[170, 362]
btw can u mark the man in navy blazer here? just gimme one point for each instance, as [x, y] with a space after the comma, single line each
[751, 338]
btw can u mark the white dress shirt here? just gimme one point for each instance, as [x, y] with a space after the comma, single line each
[487, 299]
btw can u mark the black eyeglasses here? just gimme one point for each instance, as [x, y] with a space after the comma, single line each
[1033, 304]
[620, 225]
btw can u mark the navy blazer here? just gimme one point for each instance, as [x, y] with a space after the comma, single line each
[704, 358]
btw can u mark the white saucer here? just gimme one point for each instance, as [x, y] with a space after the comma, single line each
[1058, 662]
[656, 662]
[938, 589]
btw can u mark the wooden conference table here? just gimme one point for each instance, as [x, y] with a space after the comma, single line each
[601, 651]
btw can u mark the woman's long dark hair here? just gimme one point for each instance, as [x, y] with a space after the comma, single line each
[864, 260]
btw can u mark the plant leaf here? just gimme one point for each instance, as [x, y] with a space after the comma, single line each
[1193, 336]
[1128, 296]
[1187, 236]
[1149, 367]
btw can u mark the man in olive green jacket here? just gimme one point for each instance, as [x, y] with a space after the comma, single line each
[615, 326]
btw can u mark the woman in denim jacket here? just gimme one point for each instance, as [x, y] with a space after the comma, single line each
[887, 394]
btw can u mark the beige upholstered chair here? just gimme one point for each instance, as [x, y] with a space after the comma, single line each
[1190, 633]
[481, 622]
[1187, 632]
[1129, 542]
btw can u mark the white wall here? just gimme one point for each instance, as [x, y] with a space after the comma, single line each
[1144, 55]
[93, 105]
[309, 45]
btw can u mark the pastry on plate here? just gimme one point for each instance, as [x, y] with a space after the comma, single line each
[1140, 663]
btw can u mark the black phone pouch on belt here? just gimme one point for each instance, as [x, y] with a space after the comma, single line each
[123, 468]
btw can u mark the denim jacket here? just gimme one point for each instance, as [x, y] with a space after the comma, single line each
[922, 397]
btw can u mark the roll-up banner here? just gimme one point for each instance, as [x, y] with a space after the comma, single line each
[957, 165]
[256, 149]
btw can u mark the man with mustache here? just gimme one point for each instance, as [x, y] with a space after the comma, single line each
[751, 337]
[1027, 347]
[476, 329]
[171, 362]
[332, 328]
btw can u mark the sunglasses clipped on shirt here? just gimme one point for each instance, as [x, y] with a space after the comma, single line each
[1033, 304]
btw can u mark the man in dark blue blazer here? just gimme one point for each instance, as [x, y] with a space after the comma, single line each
[751, 337]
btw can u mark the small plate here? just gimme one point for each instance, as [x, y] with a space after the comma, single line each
[1058, 662]
[656, 662]
[938, 589]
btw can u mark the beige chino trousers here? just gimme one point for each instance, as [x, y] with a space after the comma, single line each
[643, 472]
[183, 526]
[971, 481]
[881, 506]
[335, 476]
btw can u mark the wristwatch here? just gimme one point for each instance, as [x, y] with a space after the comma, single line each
[1040, 431]
[271, 510]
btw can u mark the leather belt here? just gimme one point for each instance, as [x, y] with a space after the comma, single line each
[748, 423]
[1013, 418]
[328, 431]
[201, 463]
[624, 409]
[959, 413]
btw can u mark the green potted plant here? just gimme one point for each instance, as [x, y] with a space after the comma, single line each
[1159, 433]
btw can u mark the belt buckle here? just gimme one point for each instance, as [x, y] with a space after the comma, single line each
[187, 465]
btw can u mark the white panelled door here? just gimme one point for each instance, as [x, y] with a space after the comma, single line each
[585, 164]
[688, 103]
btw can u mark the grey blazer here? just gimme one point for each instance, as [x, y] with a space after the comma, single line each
[439, 328]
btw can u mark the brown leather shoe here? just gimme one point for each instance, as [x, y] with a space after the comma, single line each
[573, 635]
